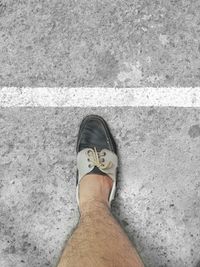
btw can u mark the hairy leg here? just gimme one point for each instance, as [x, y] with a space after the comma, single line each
[99, 240]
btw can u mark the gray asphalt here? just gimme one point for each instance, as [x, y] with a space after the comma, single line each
[100, 43]
[157, 200]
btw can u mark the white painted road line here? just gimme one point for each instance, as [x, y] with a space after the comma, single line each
[99, 97]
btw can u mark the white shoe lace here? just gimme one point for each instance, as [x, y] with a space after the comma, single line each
[96, 159]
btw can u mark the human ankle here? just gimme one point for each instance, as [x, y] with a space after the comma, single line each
[95, 188]
[93, 206]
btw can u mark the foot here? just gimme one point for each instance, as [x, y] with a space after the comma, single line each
[94, 189]
[97, 162]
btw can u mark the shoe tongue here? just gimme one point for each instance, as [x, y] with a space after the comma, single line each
[96, 170]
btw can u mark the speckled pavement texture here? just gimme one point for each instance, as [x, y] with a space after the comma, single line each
[111, 44]
[99, 43]
[157, 199]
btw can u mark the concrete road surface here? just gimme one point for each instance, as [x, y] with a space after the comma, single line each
[157, 200]
[107, 44]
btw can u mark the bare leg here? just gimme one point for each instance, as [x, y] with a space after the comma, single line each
[98, 241]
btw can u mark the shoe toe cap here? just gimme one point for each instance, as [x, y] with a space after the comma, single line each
[94, 132]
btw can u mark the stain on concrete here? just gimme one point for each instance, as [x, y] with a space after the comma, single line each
[83, 63]
[107, 68]
[2, 7]
[163, 39]
[130, 75]
[194, 131]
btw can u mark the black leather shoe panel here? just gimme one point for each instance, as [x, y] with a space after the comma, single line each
[94, 132]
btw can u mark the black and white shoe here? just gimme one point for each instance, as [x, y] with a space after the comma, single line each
[96, 152]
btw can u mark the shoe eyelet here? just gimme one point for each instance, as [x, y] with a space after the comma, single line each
[89, 165]
[88, 159]
[104, 153]
[103, 160]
